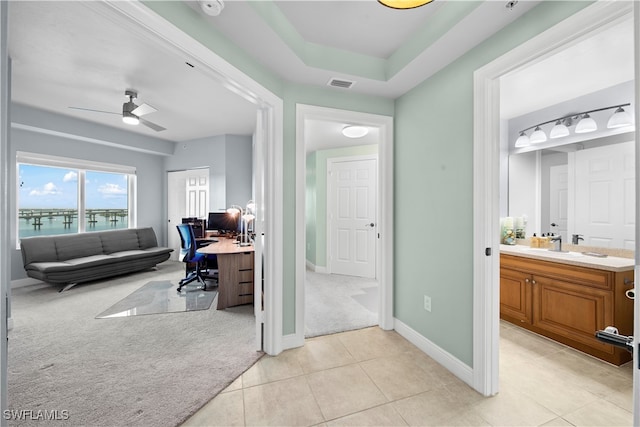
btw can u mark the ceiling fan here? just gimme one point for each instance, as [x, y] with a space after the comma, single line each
[131, 112]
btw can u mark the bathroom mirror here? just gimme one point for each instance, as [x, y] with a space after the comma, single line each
[587, 188]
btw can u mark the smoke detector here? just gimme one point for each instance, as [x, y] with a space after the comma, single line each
[211, 7]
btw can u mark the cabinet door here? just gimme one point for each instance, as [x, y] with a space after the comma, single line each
[515, 296]
[572, 311]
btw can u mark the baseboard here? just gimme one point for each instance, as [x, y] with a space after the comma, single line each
[292, 341]
[317, 269]
[446, 359]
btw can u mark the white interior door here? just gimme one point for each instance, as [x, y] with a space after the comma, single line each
[351, 213]
[186, 197]
[197, 194]
[605, 173]
[558, 199]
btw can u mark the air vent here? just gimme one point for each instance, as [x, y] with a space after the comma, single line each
[344, 84]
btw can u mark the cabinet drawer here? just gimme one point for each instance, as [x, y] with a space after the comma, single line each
[244, 289]
[245, 261]
[245, 276]
[580, 275]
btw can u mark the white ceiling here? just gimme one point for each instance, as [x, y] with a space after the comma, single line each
[598, 62]
[65, 54]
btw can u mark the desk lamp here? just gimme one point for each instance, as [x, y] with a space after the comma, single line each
[234, 210]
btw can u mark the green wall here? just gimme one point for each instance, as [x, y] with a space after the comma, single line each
[194, 24]
[317, 198]
[433, 171]
[434, 189]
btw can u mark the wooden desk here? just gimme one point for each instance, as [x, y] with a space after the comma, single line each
[235, 272]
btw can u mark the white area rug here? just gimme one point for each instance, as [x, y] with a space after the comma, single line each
[153, 370]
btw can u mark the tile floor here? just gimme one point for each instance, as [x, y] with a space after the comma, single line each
[372, 377]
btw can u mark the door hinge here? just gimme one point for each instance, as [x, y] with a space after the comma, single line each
[487, 251]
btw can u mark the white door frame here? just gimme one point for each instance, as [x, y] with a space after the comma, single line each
[140, 19]
[331, 207]
[486, 138]
[384, 268]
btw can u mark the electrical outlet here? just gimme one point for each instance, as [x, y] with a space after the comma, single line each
[427, 303]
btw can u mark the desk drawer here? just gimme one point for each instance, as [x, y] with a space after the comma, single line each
[245, 276]
[245, 261]
[244, 289]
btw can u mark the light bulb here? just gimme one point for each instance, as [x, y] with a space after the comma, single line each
[559, 130]
[587, 124]
[538, 136]
[522, 141]
[619, 119]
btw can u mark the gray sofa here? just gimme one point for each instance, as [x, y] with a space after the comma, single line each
[75, 258]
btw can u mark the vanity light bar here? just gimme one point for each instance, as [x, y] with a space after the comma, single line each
[537, 136]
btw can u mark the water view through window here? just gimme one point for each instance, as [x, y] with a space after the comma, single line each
[49, 199]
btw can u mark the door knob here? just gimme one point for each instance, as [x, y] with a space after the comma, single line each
[370, 225]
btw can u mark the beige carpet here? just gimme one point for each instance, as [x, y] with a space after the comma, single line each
[153, 370]
[336, 303]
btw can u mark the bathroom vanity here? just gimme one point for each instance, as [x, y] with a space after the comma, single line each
[567, 297]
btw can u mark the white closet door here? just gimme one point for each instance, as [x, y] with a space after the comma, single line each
[352, 217]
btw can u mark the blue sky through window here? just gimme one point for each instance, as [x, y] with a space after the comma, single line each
[52, 187]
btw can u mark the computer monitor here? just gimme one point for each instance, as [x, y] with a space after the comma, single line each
[223, 222]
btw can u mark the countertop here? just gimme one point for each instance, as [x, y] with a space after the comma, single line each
[610, 263]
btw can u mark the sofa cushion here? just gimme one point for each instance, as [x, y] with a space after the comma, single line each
[77, 245]
[72, 264]
[119, 240]
[38, 249]
[147, 238]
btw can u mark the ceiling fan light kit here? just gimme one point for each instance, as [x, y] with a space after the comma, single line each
[130, 118]
[131, 112]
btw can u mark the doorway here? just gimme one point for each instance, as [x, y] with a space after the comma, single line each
[268, 160]
[306, 117]
[596, 17]
[342, 291]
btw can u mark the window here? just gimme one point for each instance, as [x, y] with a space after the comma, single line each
[61, 196]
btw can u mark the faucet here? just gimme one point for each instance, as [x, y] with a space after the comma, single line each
[558, 247]
[575, 238]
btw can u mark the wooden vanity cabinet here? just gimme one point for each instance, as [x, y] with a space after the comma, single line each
[567, 303]
[515, 296]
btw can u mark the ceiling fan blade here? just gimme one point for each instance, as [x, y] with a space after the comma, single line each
[153, 126]
[143, 109]
[95, 111]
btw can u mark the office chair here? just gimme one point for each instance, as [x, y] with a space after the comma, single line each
[189, 256]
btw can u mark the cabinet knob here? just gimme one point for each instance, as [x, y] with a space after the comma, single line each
[533, 282]
[526, 280]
